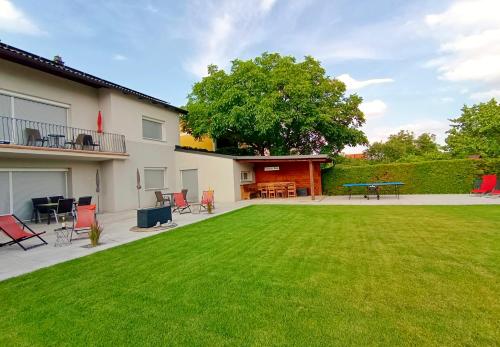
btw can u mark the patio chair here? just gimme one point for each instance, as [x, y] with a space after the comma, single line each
[291, 193]
[64, 206]
[18, 232]
[160, 198]
[83, 140]
[56, 198]
[207, 197]
[33, 137]
[180, 203]
[271, 190]
[84, 200]
[280, 191]
[487, 185]
[263, 192]
[83, 218]
[37, 209]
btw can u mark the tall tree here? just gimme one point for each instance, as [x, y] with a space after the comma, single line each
[476, 131]
[274, 103]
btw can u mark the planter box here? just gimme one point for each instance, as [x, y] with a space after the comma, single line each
[149, 217]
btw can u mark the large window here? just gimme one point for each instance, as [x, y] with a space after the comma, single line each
[152, 129]
[32, 109]
[154, 178]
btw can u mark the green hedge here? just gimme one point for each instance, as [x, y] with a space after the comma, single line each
[428, 177]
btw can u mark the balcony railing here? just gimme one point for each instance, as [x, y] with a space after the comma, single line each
[24, 132]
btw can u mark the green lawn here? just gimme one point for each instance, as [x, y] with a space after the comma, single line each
[276, 275]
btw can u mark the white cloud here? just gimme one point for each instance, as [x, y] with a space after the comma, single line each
[373, 109]
[14, 20]
[485, 96]
[224, 30]
[352, 83]
[119, 57]
[469, 36]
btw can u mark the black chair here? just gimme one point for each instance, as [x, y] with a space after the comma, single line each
[84, 200]
[33, 137]
[56, 198]
[64, 206]
[37, 209]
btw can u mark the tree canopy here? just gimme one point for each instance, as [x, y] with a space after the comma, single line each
[403, 145]
[274, 103]
[476, 131]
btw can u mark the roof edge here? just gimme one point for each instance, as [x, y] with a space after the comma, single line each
[37, 62]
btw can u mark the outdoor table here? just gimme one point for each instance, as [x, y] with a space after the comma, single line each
[49, 206]
[62, 237]
[56, 138]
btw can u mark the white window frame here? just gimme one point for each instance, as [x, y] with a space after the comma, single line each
[165, 185]
[248, 174]
[154, 120]
[33, 169]
[13, 95]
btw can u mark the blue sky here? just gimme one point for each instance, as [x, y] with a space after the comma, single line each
[415, 63]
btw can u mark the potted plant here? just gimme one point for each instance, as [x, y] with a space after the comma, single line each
[209, 207]
[94, 234]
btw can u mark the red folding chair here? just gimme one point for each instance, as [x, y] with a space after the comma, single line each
[17, 231]
[207, 198]
[487, 185]
[85, 217]
[180, 203]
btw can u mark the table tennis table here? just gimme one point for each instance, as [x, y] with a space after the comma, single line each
[374, 188]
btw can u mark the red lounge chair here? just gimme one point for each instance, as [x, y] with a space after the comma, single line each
[487, 185]
[85, 217]
[11, 226]
[207, 198]
[180, 203]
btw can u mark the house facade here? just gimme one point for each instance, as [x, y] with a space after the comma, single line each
[65, 132]
[50, 143]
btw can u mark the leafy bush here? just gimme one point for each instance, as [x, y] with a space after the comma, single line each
[425, 177]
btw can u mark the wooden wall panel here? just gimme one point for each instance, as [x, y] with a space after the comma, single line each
[297, 172]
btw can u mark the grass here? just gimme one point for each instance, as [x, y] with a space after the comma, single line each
[276, 275]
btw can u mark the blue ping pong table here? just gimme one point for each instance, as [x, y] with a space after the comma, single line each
[374, 188]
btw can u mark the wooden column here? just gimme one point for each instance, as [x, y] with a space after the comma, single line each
[311, 179]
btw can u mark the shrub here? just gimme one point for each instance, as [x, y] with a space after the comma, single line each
[426, 177]
[94, 234]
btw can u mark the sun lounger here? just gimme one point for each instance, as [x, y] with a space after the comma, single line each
[18, 232]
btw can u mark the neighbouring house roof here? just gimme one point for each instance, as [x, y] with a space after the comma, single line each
[34, 61]
[322, 158]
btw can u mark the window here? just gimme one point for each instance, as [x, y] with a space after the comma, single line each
[246, 176]
[152, 129]
[154, 178]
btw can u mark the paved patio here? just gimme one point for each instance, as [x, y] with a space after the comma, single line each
[416, 199]
[14, 261]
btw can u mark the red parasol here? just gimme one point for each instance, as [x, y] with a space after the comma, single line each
[99, 122]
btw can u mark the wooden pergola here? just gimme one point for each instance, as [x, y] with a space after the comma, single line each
[297, 168]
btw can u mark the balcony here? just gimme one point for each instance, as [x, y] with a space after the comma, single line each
[26, 138]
